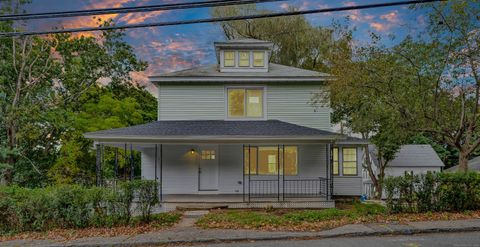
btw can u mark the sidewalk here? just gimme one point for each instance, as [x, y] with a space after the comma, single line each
[190, 234]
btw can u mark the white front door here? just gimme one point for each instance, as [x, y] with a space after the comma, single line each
[208, 168]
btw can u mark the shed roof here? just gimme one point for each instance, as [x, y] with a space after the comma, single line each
[210, 73]
[413, 155]
[473, 165]
[210, 130]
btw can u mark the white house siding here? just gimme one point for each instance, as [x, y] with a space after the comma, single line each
[180, 169]
[289, 103]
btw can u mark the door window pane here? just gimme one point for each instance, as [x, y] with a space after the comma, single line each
[236, 103]
[244, 59]
[335, 161]
[254, 102]
[258, 59]
[349, 163]
[229, 58]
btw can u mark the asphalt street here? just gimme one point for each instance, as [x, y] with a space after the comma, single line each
[464, 239]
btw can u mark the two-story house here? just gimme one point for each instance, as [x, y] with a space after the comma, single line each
[243, 133]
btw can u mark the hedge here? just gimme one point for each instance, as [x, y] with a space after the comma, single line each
[74, 206]
[433, 192]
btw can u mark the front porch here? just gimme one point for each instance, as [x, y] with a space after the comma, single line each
[236, 164]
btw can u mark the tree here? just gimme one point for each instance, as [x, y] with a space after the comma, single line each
[296, 42]
[42, 80]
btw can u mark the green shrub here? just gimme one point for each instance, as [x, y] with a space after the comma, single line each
[73, 206]
[433, 192]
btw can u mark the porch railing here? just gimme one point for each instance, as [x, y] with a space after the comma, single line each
[288, 188]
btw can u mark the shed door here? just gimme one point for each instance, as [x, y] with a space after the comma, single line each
[208, 168]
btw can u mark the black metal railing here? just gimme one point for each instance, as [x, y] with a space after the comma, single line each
[288, 188]
[263, 188]
[299, 188]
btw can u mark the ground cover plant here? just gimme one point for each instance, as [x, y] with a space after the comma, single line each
[316, 220]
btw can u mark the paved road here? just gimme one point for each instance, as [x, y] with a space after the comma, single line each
[468, 239]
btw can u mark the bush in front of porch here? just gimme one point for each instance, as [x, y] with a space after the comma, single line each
[77, 207]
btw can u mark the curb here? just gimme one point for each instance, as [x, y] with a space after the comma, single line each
[266, 238]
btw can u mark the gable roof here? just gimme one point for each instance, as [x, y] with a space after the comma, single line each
[473, 165]
[210, 73]
[208, 130]
[413, 155]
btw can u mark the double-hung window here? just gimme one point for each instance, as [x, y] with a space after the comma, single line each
[245, 102]
[348, 162]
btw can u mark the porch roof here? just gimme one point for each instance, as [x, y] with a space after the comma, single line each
[184, 131]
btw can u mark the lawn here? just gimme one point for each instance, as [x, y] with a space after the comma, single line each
[314, 220]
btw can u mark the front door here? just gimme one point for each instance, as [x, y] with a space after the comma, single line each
[208, 168]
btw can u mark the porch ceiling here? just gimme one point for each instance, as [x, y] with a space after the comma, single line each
[218, 131]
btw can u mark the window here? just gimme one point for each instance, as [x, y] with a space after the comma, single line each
[266, 160]
[349, 159]
[229, 58]
[245, 103]
[335, 161]
[258, 59]
[208, 154]
[244, 59]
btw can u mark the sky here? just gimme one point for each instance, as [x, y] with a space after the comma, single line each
[175, 48]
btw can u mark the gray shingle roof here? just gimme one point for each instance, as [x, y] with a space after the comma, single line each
[211, 73]
[473, 165]
[413, 155]
[212, 129]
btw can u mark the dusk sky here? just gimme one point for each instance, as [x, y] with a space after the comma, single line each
[179, 47]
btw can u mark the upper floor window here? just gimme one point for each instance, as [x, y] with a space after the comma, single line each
[258, 59]
[244, 59]
[245, 102]
[229, 59]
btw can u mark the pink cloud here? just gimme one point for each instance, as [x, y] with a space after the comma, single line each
[379, 26]
[284, 6]
[391, 17]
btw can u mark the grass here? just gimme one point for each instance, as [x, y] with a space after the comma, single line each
[315, 220]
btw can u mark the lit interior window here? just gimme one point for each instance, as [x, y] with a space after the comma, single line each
[245, 103]
[229, 58]
[208, 154]
[258, 59]
[244, 59]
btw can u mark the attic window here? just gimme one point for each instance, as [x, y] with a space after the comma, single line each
[229, 59]
[258, 59]
[244, 59]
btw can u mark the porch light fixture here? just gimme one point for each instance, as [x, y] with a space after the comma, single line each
[192, 151]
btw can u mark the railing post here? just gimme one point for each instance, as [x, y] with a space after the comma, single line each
[243, 172]
[278, 172]
[161, 172]
[249, 172]
[283, 173]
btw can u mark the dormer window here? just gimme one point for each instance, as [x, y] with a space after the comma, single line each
[229, 58]
[244, 59]
[243, 55]
[258, 59]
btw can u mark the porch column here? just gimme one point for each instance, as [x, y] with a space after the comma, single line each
[278, 172]
[115, 168]
[330, 171]
[132, 164]
[98, 164]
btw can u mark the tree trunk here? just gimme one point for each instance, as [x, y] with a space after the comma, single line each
[463, 161]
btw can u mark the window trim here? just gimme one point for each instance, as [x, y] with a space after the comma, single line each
[257, 163]
[245, 118]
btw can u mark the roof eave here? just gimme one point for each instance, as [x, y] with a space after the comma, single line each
[159, 79]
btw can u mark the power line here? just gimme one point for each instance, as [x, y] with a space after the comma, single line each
[218, 19]
[159, 7]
